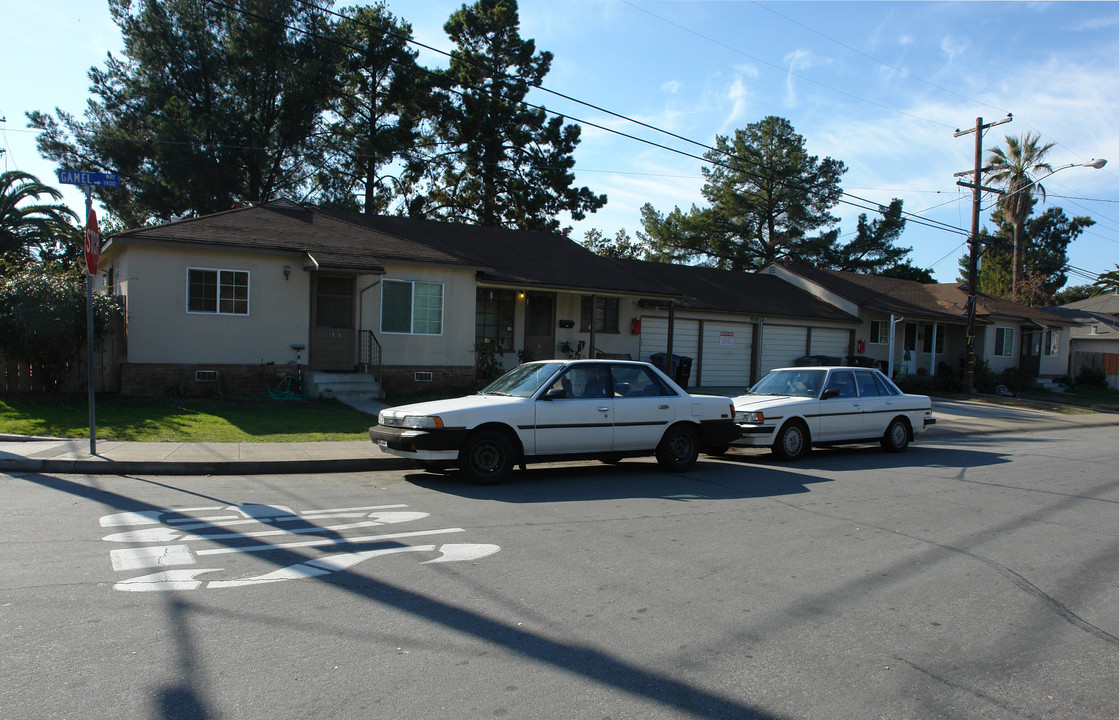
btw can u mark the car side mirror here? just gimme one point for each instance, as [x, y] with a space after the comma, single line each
[554, 394]
[830, 393]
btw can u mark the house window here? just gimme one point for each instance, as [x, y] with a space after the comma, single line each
[879, 333]
[927, 336]
[1052, 342]
[223, 292]
[605, 314]
[1004, 342]
[493, 317]
[414, 308]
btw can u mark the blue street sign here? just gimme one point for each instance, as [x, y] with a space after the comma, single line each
[78, 177]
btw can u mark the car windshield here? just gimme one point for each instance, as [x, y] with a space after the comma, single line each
[799, 383]
[523, 380]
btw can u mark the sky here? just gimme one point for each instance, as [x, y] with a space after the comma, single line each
[881, 86]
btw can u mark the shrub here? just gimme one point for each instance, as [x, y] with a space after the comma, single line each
[1091, 377]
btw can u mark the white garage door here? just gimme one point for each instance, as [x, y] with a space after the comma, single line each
[835, 343]
[726, 355]
[782, 345]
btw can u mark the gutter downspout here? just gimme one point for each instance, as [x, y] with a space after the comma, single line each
[932, 358]
[890, 365]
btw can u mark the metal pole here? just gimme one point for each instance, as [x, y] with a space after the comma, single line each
[89, 336]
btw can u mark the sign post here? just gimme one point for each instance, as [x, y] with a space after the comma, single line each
[92, 257]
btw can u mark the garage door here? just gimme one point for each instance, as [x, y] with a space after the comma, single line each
[835, 343]
[726, 354]
[782, 345]
[654, 338]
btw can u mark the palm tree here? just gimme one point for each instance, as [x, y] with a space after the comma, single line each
[1015, 169]
[28, 230]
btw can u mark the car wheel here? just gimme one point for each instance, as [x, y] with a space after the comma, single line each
[486, 458]
[792, 441]
[678, 449]
[896, 438]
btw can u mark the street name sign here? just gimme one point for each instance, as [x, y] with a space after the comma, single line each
[91, 179]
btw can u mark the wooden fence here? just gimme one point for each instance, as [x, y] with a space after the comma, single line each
[1108, 363]
[21, 377]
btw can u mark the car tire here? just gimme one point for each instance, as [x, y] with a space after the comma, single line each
[486, 458]
[896, 438]
[678, 449]
[793, 441]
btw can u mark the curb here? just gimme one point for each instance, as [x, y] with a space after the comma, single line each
[226, 467]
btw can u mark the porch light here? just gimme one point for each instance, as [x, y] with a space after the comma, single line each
[287, 271]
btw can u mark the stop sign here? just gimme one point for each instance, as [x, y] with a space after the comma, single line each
[92, 243]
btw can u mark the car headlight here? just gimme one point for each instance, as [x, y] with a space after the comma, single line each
[422, 422]
[755, 417]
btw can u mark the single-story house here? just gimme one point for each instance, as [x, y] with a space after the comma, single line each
[242, 294]
[1094, 341]
[911, 327]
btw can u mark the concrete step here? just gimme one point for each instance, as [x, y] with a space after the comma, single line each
[353, 385]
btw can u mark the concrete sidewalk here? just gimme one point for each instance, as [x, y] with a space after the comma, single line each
[954, 418]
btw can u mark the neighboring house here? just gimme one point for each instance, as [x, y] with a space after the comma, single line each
[242, 294]
[910, 327]
[1107, 304]
[1094, 341]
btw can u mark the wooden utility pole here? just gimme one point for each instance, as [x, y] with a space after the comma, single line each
[973, 242]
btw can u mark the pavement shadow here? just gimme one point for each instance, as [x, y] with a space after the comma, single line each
[740, 474]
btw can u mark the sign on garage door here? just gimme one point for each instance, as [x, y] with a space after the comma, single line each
[726, 354]
[782, 345]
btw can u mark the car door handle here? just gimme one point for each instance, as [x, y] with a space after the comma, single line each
[662, 407]
[604, 409]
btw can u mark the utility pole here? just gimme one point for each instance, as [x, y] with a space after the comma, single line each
[973, 243]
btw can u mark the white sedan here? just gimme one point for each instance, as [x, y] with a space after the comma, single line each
[792, 409]
[559, 409]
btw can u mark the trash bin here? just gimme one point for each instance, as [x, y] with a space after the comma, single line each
[683, 370]
[683, 367]
[806, 361]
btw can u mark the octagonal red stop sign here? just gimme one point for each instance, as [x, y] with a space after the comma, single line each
[92, 242]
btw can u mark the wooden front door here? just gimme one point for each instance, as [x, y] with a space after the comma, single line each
[332, 323]
[540, 325]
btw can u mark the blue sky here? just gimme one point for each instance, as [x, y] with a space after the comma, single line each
[881, 86]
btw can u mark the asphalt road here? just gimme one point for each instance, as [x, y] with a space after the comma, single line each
[964, 579]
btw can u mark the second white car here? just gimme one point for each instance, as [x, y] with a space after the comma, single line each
[792, 409]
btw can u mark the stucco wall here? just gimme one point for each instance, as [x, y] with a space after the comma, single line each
[160, 330]
[454, 346]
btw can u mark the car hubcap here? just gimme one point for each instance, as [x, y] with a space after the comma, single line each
[898, 435]
[793, 441]
[681, 447]
[487, 458]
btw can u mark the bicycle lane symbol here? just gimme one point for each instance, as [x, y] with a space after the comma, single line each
[163, 539]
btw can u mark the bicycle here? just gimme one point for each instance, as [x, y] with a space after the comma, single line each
[573, 354]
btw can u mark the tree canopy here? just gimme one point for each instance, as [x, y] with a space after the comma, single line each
[31, 229]
[1045, 259]
[212, 104]
[770, 200]
[497, 160]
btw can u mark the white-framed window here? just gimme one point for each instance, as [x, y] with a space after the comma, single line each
[1052, 342]
[1004, 342]
[221, 292]
[412, 307]
[879, 332]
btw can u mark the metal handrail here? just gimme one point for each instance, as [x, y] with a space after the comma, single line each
[371, 353]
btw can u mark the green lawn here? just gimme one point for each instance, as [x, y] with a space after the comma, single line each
[184, 420]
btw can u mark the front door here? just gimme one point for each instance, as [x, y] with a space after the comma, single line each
[332, 323]
[540, 326]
